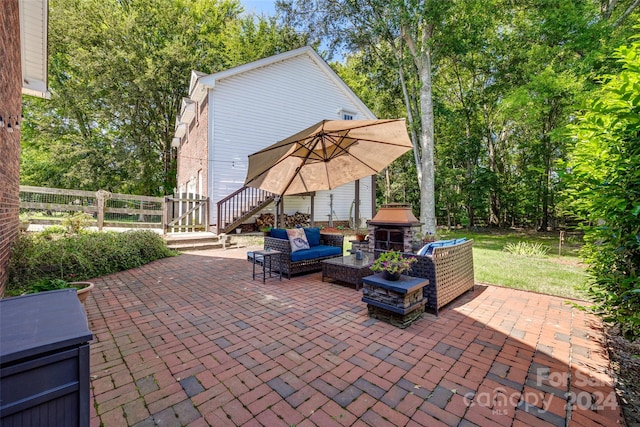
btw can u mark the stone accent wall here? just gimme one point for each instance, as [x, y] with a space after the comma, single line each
[10, 106]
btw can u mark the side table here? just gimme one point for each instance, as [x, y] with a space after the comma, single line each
[264, 257]
[348, 269]
[399, 302]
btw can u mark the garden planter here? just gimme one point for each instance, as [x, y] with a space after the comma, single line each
[83, 289]
[391, 276]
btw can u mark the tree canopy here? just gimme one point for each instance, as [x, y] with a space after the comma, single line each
[118, 73]
[506, 80]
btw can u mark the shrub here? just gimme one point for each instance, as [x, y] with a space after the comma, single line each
[605, 190]
[526, 249]
[36, 257]
[53, 232]
[77, 222]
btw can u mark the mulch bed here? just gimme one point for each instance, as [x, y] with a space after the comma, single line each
[333, 230]
[625, 362]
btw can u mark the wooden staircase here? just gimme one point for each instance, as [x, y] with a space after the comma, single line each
[239, 206]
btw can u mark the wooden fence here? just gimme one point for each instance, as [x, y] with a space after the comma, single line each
[44, 205]
[186, 212]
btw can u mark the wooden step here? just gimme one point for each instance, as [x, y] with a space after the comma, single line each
[198, 241]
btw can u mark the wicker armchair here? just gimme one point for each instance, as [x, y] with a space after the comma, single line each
[294, 267]
[449, 270]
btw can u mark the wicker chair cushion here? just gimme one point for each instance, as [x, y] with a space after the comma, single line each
[297, 239]
[279, 233]
[428, 248]
[319, 251]
[313, 236]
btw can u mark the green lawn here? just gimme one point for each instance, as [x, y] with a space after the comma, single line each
[550, 274]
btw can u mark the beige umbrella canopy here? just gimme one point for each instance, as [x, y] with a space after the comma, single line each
[328, 154]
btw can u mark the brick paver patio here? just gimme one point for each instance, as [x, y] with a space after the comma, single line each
[192, 340]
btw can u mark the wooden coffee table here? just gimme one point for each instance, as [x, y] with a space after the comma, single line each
[348, 269]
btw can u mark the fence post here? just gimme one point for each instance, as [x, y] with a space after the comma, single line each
[206, 214]
[101, 197]
[165, 215]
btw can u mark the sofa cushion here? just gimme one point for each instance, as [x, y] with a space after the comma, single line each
[428, 248]
[279, 233]
[297, 239]
[313, 236]
[319, 251]
[423, 250]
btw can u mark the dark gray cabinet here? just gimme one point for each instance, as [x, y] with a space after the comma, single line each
[44, 360]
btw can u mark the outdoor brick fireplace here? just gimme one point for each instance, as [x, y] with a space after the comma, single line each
[393, 228]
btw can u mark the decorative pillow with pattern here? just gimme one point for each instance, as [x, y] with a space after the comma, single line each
[298, 239]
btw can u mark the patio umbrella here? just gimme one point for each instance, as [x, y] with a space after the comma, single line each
[328, 154]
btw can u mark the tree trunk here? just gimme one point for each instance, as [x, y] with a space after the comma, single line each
[494, 202]
[427, 186]
[546, 191]
[410, 119]
[422, 59]
[387, 186]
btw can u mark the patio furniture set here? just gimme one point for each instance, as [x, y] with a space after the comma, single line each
[436, 279]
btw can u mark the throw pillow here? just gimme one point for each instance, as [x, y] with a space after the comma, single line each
[298, 239]
[313, 236]
[279, 233]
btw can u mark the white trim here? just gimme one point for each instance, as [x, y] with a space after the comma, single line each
[181, 129]
[34, 19]
[197, 91]
[188, 111]
[342, 112]
[211, 170]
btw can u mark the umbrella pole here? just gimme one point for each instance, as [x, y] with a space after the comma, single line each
[313, 202]
[276, 200]
[356, 211]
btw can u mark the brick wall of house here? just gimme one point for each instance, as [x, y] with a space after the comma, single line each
[10, 110]
[194, 150]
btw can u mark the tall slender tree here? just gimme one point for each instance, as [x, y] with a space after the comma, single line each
[407, 29]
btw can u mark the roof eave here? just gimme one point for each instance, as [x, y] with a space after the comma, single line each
[34, 18]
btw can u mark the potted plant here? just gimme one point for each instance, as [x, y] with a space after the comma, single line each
[425, 238]
[361, 234]
[419, 240]
[82, 288]
[392, 264]
[266, 231]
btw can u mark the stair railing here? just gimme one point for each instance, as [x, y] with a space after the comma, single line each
[240, 205]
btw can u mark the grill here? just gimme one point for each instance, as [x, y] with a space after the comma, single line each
[393, 228]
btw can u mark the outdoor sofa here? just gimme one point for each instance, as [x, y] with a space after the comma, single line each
[449, 267]
[322, 246]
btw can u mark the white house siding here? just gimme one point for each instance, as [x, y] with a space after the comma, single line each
[252, 110]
